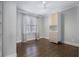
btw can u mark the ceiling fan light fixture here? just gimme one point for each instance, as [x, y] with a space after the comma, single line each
[44, 4]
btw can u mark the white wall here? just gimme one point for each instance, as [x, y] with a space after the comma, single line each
[71, 26]
[0, 29]
[40, 27]
[60, 27]
[9, 29]
[46, 27]
[19, 24]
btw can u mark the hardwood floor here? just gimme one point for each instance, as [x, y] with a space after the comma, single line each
[43, 48]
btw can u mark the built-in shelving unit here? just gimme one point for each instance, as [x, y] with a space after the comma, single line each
[53, 27]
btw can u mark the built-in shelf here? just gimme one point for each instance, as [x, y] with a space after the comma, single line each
[53, 28]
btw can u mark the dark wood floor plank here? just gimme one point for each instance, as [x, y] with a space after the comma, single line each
[43, 48]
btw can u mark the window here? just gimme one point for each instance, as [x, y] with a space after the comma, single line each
[30, 24]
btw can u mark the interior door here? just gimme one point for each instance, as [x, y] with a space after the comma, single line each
[0, 29]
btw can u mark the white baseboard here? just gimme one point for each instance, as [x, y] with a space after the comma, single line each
[18, 41]
[12, 55]
[72, 43]
[47, 37]
[29, 39]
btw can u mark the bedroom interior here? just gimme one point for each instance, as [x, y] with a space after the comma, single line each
[39, 29]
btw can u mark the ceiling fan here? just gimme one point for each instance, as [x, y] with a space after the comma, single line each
[44, 4]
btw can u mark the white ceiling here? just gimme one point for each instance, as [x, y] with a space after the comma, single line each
[51, 6]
